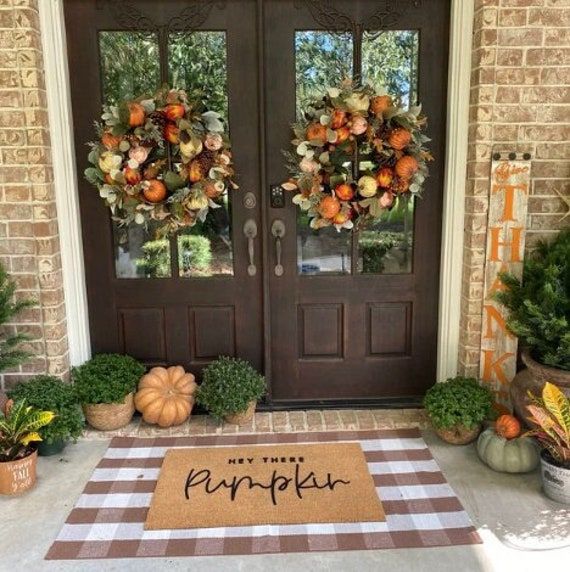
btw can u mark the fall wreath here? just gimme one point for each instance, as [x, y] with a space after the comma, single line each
[356, 151]
[163, 158]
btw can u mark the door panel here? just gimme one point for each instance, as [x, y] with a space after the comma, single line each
[371, 299]
[188, 299]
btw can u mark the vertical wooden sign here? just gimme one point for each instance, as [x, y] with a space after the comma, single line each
[510, 183]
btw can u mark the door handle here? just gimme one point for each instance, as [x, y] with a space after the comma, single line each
[250, 232]
[278, 231]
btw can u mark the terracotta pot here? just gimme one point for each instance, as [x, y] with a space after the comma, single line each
[459, 435]
[243, 417]
[18, 476]
[533, 380]
[109, 416]
[555, 480]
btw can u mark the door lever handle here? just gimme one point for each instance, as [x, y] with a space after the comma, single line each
[250, 232]
[278, 231]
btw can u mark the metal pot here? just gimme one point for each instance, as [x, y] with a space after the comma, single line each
[555, 479]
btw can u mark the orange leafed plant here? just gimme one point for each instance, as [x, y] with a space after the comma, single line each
[550, 413]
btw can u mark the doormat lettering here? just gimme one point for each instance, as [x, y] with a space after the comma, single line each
[257, 485]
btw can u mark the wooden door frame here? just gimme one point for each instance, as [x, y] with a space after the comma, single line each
[52, 26]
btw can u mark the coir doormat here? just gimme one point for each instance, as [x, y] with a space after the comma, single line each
[108, 519]
[208, 487]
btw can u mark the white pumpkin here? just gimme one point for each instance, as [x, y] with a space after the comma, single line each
[519, 455]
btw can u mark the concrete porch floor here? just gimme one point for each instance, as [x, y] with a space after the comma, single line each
[521, 529]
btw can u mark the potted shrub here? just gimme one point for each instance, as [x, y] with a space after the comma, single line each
[539, 314]
[457, 409]
[550, 416]
[19, 425]
[51, 393]
[105, 386]
[230, 390]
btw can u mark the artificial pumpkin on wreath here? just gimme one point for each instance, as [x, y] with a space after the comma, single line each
[516, 455]
[166, 396]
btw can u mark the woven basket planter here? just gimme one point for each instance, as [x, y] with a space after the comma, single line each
[243, 417]
[109, 416]
[459, 435]
[18, 476]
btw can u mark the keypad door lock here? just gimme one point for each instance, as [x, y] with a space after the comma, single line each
[277, 197]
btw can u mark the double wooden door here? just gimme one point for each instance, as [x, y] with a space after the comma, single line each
[352, 318]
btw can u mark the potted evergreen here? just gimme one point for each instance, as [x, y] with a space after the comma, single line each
[19, 425]
[458, 408]
[550, 417]
[51, 393]
[230, 390]
[539, 314]
[105, 386]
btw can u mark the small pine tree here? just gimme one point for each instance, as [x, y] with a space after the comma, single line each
[539, 305]
[10, 353]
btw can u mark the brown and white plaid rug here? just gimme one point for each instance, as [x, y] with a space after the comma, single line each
[107, 521]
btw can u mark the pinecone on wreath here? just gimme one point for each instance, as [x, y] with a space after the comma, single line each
[158, 119]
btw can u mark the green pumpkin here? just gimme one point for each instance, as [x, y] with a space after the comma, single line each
[519, 455]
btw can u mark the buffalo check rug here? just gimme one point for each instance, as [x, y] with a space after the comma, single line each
[108, 519]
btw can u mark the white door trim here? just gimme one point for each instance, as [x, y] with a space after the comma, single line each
[52, 26]
[459, 81]
[63, 154]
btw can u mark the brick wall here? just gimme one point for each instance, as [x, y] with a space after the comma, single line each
[29, 245]
[520, 100]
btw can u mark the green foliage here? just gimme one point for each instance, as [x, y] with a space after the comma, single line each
[10, 353]
[375, 247]
[19, 426]
[194, 256]
[458, 401]
[228, 386]
[107, 378]
[50, 393]
[539, 306]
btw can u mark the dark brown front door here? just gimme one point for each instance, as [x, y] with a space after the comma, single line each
[351, 318]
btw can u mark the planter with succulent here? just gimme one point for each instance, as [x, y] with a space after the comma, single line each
[458, 408]
[51, 393]
[19, 426]
[539, 314]
[230, 390]
[105, 386]
[550, 419]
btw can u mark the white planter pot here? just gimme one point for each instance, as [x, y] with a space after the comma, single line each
[555, 481]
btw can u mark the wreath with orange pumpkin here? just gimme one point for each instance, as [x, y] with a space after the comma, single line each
[357, 151]
[163, 158]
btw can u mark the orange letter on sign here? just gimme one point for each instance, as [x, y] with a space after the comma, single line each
[497, 283]
[491, 314]
[490, 366]
[508, 213]
[515, 244]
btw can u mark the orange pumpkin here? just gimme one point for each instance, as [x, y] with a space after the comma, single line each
[380, 104]
[172, 133]
[406, 167]
[110, 141]
[342, 134]
[329, 207]
[136, 114]
[166, 396]
[338, 118]
[507, 427]
[132, 176]
[316, 131]
[174, 111]
[399, 138]
[344, 192]
[155, 191]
